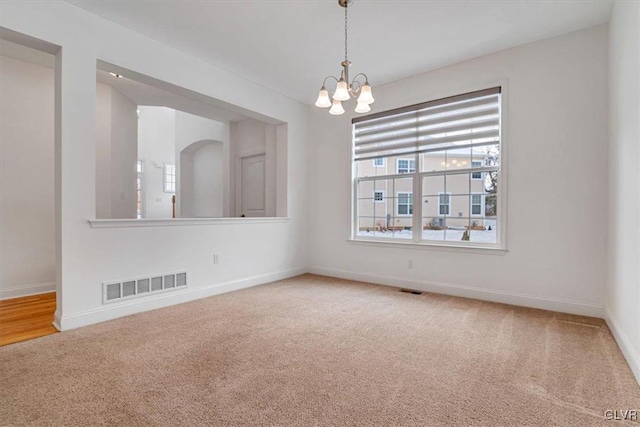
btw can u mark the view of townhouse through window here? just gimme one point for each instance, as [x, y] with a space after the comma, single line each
[446, 151]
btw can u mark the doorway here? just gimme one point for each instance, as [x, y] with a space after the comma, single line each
[252, 186]
[29, 289]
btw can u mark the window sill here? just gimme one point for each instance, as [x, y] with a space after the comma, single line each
[431, 246]
[173, 222]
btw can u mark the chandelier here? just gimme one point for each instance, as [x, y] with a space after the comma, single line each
[345, 89]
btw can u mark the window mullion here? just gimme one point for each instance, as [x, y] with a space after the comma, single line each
[417, 201]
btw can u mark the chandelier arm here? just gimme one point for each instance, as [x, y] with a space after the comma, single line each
[327, 78]
[366, 79]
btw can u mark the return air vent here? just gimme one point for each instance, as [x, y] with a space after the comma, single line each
[127, 289]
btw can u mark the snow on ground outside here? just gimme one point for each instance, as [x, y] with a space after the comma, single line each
[478, 236]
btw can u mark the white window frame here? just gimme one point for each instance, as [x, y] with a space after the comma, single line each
[383, 164]
[473, 173]
[471, 204]
[409, 203]
[409, 169]
[165, 182]
[140, 175]
[448, 204]
[498, 248]
[374, 196]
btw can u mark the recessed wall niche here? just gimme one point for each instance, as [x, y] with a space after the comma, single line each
[165, 152]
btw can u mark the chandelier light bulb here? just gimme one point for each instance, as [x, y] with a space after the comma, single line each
[336, 108]
[323, 100]
[362, 108]
[366, 97]
[342, 91]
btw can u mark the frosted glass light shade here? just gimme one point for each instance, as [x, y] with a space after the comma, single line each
[362, 108]
[365, 95]
[342, 92]
[323, 100]
[336, 108]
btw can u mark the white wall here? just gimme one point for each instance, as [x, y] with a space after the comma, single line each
[191, 129]
[116, 154]
[623, 293]
[124, 156]
[556, 120]
[27, 223]
[207, 180]
[250, 137]
[89, 256]
[156, 147]
[103, 150]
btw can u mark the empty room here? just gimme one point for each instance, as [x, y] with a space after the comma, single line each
[319, 212]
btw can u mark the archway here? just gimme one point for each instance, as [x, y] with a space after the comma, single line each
[201, 180]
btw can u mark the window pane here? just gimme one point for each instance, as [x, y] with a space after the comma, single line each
[457, 184]
[483, 231]
[452, 159]
[460, 206]
[366, 189]
[486, 156]
[365, 226]
[430, 206]
[365, 168]
[432, 185]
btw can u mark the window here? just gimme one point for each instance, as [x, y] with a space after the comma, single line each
[169, 178]
[406, 166]
[379, 162]
[476, 164]
[447, 156]
[444, 203]
[405, 203]
[476, 204]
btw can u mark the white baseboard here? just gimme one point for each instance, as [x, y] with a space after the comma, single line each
[629, 353]
[552, 304]
[116, 310]
[26, 290]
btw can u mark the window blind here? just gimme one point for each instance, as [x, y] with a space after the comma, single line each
[463, 121]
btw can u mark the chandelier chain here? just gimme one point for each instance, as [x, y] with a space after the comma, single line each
[346, 34]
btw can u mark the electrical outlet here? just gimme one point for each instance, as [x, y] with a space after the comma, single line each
[410, 264]
[216, 258]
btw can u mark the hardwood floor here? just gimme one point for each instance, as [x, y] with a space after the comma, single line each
[25, 318]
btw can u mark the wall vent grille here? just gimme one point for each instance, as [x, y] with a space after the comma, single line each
[119, 290]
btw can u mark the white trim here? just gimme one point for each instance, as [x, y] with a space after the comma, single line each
[480, 172]
[482, 204]
[167, 222]
[384, 162]
[153, 302]
[629, 353]
[409, 204]
[441, 245]
[376, 200]
[408, 166]
[27, 290]
[512, 298]
[448, 205]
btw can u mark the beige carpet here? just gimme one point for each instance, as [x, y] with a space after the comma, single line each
[318, 351]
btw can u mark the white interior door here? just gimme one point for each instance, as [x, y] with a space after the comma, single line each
[253, 186]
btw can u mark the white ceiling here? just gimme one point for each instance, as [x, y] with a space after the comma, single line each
[291, 45]
[142, 94]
